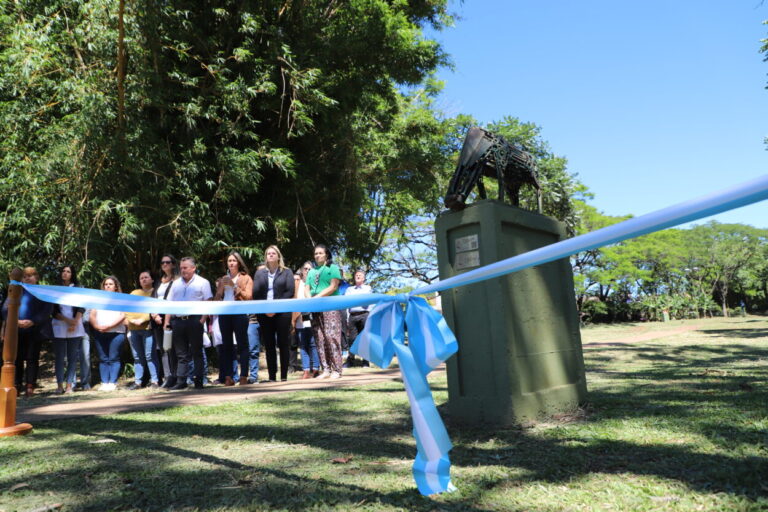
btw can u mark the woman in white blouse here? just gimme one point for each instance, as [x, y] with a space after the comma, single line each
[110, 335]
[68, 334]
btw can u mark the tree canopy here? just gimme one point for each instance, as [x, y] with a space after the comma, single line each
[202, 127]
[706, 269]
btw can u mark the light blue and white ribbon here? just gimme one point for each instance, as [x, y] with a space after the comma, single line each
[100, 299]
[430, 341]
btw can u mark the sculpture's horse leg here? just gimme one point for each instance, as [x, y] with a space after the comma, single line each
[501, 180]
[481, 187]
[514, 193]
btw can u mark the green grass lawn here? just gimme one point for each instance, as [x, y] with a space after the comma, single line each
[676, 423]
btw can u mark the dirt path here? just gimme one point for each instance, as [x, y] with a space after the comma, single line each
[208, 396]
[643, 337]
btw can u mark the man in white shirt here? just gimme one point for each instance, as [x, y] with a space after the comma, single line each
[357, 315]
[188, 329]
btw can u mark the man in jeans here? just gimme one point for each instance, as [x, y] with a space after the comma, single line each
[188, 329]
[85, 353]
[254, 347]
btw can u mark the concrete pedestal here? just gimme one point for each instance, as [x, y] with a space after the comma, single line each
[520, 353]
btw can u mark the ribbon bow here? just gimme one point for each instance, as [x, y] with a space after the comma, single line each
[430, 342]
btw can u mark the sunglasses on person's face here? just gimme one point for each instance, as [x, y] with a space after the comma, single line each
[166, 262]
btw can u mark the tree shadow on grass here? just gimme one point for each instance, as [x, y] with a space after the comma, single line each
[715, 393]
[681, 356]
[567, 454]
[147, 469]
[683, 379]
[563, 459]
[119, 483]
[737, 333]
[137, 468]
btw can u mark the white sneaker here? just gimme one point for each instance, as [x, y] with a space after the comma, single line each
[324, 375]
[107, 387]
[335, 375]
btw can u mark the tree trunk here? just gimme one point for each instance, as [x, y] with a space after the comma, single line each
[121, 66]
[724, 295]
[765, 292]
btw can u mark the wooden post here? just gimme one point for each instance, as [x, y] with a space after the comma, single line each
[8, 425]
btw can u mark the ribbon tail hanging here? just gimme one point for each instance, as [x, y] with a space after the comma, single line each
[430, 342]
[431, 469]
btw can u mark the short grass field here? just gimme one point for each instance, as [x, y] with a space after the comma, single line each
[674, 423]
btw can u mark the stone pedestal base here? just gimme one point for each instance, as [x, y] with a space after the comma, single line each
[520, 352]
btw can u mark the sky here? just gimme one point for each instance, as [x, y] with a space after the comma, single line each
[652, 103]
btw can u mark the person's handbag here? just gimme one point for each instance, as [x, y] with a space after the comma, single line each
[167, 340]
[167, 333]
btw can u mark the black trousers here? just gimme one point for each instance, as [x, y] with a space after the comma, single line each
[188, 345]
[234, 326]
[28, 351]
[355, 326]
[276, 334]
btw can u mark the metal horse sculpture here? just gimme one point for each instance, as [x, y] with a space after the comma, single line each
[486, 154]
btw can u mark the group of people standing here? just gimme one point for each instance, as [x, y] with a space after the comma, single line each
[169, 350]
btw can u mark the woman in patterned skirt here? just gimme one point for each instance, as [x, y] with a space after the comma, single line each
[323, 281]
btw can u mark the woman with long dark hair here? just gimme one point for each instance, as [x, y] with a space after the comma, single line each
[274, 281]
[235, 285]
[323, 281]
[110, 335]
[169, 273]
[68, 333]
